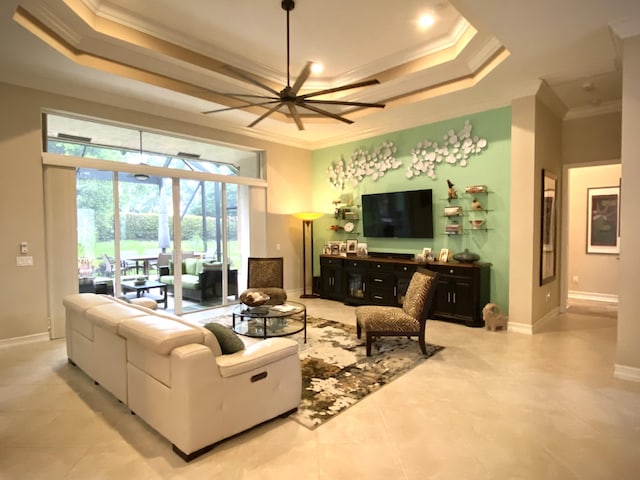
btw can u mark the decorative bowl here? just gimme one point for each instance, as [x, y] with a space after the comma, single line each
[140, 281]
[477, 223]
[476, 189]
[466, 257]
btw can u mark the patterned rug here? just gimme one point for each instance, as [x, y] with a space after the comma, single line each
[336, 372]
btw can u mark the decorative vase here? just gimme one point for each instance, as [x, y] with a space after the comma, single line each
[466, 257]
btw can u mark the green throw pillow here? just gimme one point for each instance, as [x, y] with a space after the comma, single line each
[227, 338]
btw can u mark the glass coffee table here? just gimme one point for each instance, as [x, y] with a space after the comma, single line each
[268, 321]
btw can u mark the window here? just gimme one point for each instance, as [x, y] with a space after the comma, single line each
[159, 186]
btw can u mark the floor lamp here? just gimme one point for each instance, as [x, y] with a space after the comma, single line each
[307, 226]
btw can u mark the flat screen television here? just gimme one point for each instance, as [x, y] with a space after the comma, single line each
[398, 214]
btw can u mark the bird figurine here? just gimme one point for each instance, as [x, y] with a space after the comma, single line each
[476, 205]
[452, 191]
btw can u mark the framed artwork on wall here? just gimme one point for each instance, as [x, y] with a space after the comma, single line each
[548, 228]
[603, 220]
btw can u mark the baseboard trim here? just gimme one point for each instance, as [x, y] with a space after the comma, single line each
[625, 372]
[517, 327]
[593, 297]
[530, 329]
[36, 337]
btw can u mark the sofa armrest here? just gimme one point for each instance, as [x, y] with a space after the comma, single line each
[256, 356]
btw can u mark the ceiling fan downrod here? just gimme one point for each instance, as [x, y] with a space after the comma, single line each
[288, 5]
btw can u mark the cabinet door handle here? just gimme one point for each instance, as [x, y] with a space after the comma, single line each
[379, 280]
[395, 291]
[448, 297]
[454, 297]
[364, 287]
[377, 297]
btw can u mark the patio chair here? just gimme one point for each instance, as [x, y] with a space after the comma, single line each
[406, 321]
[110, 266]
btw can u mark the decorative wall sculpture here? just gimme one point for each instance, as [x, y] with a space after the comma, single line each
[426, 155]
[363, 164]
[456, 149]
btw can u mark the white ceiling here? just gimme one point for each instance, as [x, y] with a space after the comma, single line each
[168, 58]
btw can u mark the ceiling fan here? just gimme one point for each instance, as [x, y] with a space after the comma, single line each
[289, 97]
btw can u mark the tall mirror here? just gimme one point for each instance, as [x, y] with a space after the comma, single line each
[548, 230]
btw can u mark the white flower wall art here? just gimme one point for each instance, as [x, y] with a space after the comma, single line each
[455, 150]
[363, 164]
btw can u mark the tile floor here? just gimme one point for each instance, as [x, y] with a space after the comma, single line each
[492, 405]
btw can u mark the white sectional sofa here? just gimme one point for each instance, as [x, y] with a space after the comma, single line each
[173, 375]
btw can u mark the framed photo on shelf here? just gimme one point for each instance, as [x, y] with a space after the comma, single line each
[352, 246]
[603, 220]
[444, 255]
[362, 250]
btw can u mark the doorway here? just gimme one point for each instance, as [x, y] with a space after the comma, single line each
[591, 277]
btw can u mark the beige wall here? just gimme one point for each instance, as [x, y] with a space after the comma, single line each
[23, 289]
[592, 139]
[628, 353]
[597, 274]
[548, 156]
[521, 265]
[536, 140]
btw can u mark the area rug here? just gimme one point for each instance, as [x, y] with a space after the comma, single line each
[336, 373]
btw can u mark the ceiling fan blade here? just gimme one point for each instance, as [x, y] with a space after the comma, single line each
[324, 112]
[241, 106]
[366, 83]
[345, 103]
[295, 115]
[265, 115]
[249, 79]
[304, 74]
[236, 95]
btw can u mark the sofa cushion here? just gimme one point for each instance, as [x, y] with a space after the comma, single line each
[227, 338]
[190, 282]
[110, 315]
[257, 355]
[190, 266]
[158, 334]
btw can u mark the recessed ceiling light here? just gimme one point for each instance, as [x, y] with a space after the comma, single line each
[317, 68]
[425, 21]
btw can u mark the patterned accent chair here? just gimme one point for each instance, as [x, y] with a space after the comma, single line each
[266, 275]
[409, 320]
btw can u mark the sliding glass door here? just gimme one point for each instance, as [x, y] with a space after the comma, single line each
[144, 228]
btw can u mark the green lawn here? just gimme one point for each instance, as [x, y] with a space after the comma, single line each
[150, 247]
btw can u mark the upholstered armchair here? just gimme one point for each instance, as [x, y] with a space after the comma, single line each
[409, 320]
[265, 275]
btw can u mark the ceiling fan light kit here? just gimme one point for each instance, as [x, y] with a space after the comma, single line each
[288, 97]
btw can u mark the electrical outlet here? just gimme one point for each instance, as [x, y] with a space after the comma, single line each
[576, 279]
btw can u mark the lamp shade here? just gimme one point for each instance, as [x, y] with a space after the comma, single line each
[308, 216]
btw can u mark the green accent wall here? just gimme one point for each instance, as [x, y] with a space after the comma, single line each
[491, 167]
